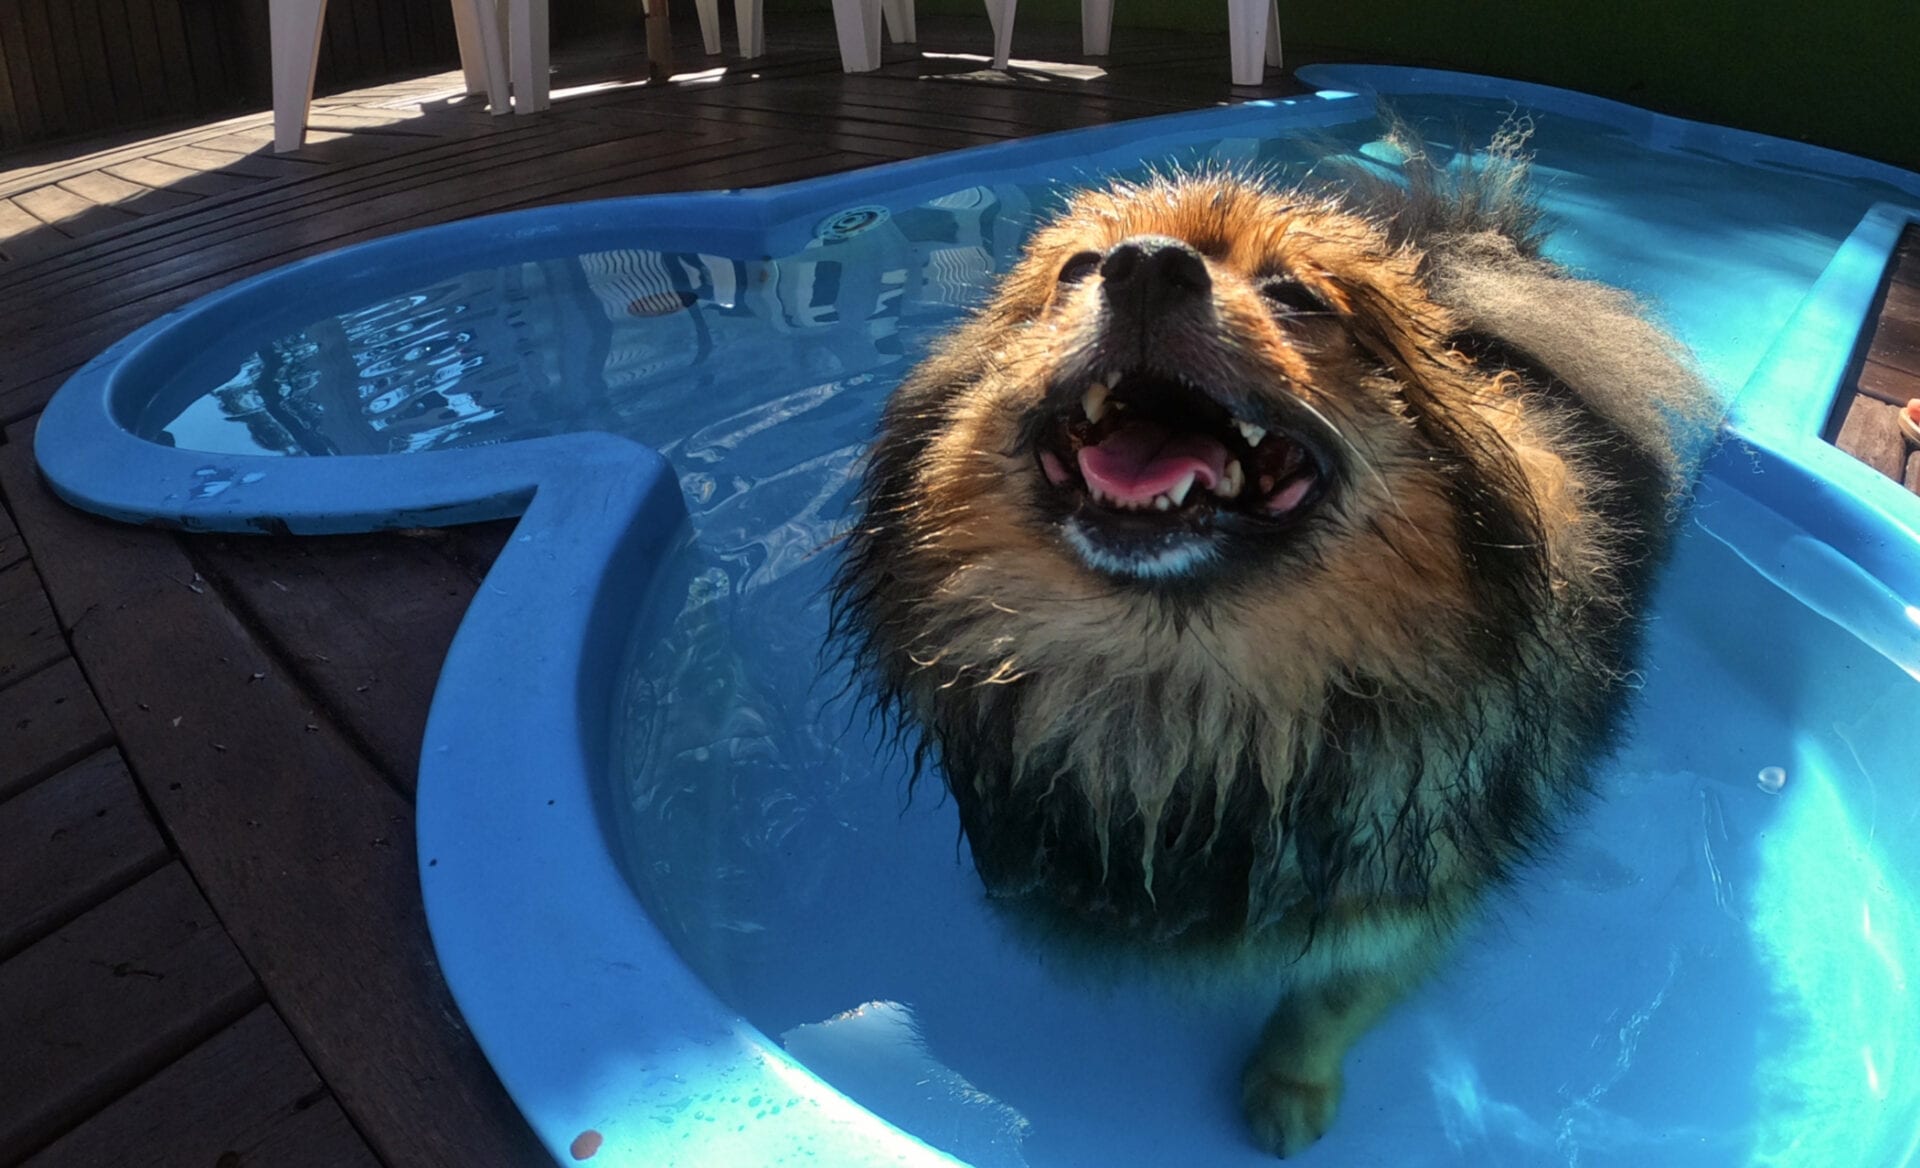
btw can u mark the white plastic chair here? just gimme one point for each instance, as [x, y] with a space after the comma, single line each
[1253, 32]
[856, 25]
[528, 52]
[294, 30]
[749, 24]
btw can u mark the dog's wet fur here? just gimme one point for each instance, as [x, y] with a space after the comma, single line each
[1263, 569]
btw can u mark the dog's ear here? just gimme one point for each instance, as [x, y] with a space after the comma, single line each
[1385, 307]
[1451, 404]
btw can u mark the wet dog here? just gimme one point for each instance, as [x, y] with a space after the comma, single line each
[1263, 569]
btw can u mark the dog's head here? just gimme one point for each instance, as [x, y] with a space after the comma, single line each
[1208, 460]
[1192, 384]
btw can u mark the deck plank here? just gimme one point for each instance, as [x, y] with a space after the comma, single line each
[1887, 373]
[51, 721]
[15, 221]
[1870, 432]
[364, 621]
[68, 213]
[30, 638]
[245, 1096]
[68, 843]
[267, 196]
[100, 1005]
[200, 245]
[307, 192]
[312, 873]
[198, 157]
[161, 176]
[13, 549]
[1888, 384]
[112, 191]
[1896, 334]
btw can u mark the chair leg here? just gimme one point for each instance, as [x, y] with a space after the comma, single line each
[750, 20]
[709, 11]
[1247, 37]
[1000, 14]
[1096, 27]
[1273, 33]
[488, 51]
[294, 29]
[856, 24]
[899, 20]
[473, 58]
[527, 49]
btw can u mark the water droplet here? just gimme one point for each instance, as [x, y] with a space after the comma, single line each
[1772, 779]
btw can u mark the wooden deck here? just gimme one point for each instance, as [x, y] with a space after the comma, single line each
[1887, 374]
[212, 949]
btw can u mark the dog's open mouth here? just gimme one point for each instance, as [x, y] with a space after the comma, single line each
[1146, 459]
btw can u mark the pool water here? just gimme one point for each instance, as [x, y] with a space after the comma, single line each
[661, 345]
[1709, 970]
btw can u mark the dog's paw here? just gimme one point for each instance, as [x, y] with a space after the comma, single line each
[1287, 1113]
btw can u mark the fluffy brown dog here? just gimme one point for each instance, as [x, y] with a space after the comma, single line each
[1264, 568]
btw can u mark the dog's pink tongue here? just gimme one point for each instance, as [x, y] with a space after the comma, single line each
[1142, 459]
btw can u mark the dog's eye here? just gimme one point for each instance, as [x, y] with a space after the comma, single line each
[1289, 295]
[1079, 266]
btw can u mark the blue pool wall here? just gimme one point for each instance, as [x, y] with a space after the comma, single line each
[579, 1002]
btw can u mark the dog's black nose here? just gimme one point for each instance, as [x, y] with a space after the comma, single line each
[1154, 271]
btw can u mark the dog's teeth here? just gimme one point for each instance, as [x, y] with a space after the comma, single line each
[1231, 480]
[1252, 433]
[1095, 403]
[1178, 494]
[1162, 503]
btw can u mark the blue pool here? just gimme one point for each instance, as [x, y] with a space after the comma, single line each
[677, 883]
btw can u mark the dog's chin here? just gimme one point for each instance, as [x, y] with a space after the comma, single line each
[1155, 479]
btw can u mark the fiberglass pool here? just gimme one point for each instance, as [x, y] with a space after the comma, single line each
[679, 887]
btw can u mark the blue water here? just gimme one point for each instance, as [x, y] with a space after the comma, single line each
[655, 344]
[1708, 972]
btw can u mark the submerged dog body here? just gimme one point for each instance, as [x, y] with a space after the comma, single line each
[1263, 568]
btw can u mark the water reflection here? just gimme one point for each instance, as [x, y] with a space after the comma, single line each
[638, 340]
[635, 340]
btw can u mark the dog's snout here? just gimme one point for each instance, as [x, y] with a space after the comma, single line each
[1154, 270]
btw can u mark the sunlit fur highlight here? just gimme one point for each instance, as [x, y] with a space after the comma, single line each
[1311, 769]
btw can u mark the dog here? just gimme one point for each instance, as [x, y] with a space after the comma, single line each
[1263, 568]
